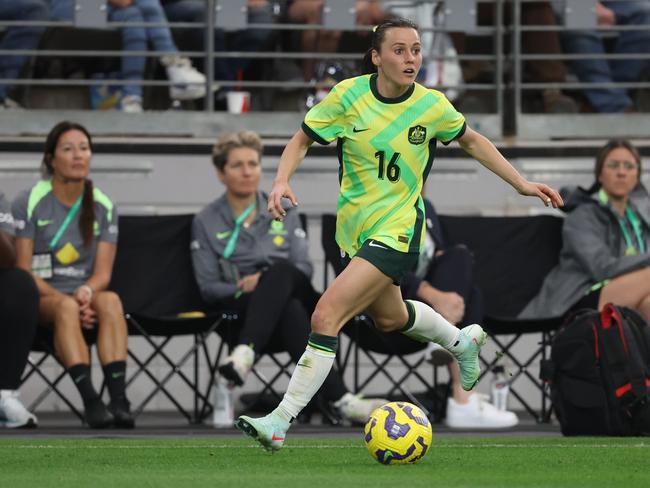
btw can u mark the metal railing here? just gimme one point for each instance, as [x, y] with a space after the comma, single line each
[507, 89]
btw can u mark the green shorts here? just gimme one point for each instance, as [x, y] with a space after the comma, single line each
[394, 264]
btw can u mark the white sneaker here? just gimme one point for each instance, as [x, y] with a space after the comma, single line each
[13, 413]
[131, 104]
[478, 414]
[187, 82]
[357, 409]
[236, 367]
[9, 104]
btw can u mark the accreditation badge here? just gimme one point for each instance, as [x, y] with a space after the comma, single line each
[42, 265]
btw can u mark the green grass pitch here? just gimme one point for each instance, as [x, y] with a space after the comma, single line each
[453, 461]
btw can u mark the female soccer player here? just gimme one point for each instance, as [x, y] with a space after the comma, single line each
[387, 127]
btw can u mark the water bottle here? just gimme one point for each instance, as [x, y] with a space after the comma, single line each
[224, 414]
[499, 388]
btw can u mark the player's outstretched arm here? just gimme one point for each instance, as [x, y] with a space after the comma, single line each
[293, 154]
[481, 149]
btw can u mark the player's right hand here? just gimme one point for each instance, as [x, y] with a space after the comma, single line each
[279, 191]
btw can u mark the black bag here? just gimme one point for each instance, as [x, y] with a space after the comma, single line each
[599, 373]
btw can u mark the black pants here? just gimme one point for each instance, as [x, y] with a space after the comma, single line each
[277, 317]
[18, 320]
[453, 271]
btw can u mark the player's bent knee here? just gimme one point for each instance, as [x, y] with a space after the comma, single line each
[323, 321]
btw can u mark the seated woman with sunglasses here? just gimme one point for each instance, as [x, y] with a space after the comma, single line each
[605, 239]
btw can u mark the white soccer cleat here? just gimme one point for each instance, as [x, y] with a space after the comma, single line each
[466, 351]
[269, 431]
[13, 413]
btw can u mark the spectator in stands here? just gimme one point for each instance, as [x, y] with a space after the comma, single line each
[605, 241]
[545, 42]
[599, 70]
[246, 261]
[19, 312]
[187, 82]
[368, 12]
[444, 280]
[19, 38]
[66, 234]
[251, 39]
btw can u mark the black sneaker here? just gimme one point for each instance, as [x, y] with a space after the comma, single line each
[96, 415]
[123, 418]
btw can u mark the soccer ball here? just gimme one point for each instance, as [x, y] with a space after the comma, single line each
[398, 433]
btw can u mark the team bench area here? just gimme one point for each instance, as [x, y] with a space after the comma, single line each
[153, 276]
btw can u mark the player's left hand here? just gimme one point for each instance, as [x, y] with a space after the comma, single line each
[544, 192]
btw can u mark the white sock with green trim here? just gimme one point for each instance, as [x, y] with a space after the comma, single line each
[308, 375]
[427, 325]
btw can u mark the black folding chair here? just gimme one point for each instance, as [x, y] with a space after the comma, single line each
[512, 256]
[43, 346]
[392, 356]
[154, 277]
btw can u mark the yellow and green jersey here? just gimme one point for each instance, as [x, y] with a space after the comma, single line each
[386, 148]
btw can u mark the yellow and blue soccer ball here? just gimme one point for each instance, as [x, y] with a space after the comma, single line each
[398, 433]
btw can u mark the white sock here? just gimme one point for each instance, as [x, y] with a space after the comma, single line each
[429, 326]
[308, 376]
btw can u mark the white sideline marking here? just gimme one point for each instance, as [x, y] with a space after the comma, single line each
[325, 446]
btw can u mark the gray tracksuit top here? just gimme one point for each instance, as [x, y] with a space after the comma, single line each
[593, 250]
[257, 247]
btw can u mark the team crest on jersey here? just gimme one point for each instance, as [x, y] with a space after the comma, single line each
[417, 134]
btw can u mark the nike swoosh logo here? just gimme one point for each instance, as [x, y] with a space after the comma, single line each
[41, 223]
[276, 438]
[355, 130]
[374, 244]
[117, 375]
[80, 378]
[223, 235]
[303, 365]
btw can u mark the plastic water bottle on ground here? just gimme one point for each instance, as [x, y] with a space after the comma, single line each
[224, 414]
[499, 388]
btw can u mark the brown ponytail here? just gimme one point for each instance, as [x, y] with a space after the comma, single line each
[87, 216]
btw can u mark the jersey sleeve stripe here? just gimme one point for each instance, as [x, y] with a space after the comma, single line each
[311, 133]
[458, 135]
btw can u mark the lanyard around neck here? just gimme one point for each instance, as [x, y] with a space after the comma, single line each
[634, 221]
[68, 218]
[232, 242]
[636, 227]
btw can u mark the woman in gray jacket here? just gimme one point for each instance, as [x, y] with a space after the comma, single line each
[246, 261]
[606, 234]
